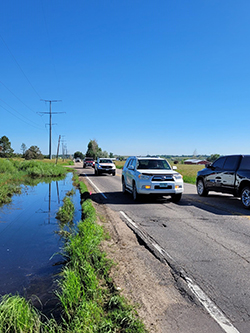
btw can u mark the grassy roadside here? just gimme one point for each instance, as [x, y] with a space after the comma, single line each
[89, 300]
[15, 172]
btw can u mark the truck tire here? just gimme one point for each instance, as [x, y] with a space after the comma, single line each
[245, 197]
[176, 197]
[201, 189]
[135, 193]
[124, 188]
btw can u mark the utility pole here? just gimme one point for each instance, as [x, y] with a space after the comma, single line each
[50, 121]
[58, 148]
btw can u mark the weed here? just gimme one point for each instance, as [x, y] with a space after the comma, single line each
[17, 315]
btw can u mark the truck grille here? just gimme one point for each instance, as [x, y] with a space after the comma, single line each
[163, 178]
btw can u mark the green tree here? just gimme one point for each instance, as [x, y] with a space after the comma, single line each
[111, 155]
[5, 147]
[213, 157]
[103, 154]
[23, 148]
[93, 149]
[33, 153]
[79, 154]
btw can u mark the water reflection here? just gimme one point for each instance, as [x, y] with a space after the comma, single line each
[28, 239]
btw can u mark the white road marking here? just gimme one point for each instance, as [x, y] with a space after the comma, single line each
[208, 304]
[96, 188]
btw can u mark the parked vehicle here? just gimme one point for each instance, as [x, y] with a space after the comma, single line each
[228, 174]
[151, 175]
[77, 160]
[105, 165]
[88, 161]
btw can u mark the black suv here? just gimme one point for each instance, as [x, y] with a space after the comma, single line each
[228, 174]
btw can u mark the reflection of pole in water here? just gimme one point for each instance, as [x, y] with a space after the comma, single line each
[49, 200]
[57, 187]
[49, 210]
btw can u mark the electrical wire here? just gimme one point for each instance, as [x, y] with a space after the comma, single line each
[36, 125]
[20, 67]
[18, 117]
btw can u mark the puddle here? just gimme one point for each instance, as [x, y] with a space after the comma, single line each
[28, 241]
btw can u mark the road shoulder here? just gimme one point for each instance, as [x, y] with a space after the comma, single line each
[147, 282]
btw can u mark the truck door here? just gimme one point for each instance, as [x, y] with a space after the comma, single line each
[213, 180]
[130, 173]
[228, 174]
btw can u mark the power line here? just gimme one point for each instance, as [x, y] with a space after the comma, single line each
[50, 122]
[17, 97]
[36, 125]
[20, 67]
[18, 117]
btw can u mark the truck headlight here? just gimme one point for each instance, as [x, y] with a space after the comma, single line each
[144, 177]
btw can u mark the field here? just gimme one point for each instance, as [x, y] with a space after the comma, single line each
[189, 171]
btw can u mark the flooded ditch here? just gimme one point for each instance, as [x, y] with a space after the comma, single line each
[28, 242]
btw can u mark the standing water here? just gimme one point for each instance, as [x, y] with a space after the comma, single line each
[28, 241]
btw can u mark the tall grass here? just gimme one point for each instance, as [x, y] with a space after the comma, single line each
[18, 315]
[15, 172]
[89, 301]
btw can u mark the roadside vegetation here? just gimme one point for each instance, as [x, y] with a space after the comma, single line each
[14, 172]
[189, 171]
[88, 298]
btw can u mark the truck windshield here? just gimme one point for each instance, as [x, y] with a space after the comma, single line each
[153, 164]
[105, 161]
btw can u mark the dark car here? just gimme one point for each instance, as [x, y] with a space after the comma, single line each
[228, 174]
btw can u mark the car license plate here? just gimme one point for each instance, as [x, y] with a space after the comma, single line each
[163, 185]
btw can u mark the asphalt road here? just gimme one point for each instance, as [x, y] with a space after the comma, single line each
[207, 239]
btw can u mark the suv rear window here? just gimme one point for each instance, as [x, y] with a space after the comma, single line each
[245, 163]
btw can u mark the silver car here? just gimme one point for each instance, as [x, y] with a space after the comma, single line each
[151, 175]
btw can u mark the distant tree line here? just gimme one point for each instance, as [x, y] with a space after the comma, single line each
[7, 152]
[94, 151]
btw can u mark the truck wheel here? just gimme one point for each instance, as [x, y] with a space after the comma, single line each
[124, 189]
[134, 193]
[245, 197]
[96, 172]
[176, 197]
[201, 189]
[113, 173]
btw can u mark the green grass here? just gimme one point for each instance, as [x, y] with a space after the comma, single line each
[14, 172]
[18, 315]
[189, 171]
[89, 300]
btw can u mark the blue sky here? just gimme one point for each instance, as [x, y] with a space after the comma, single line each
[139, 76]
